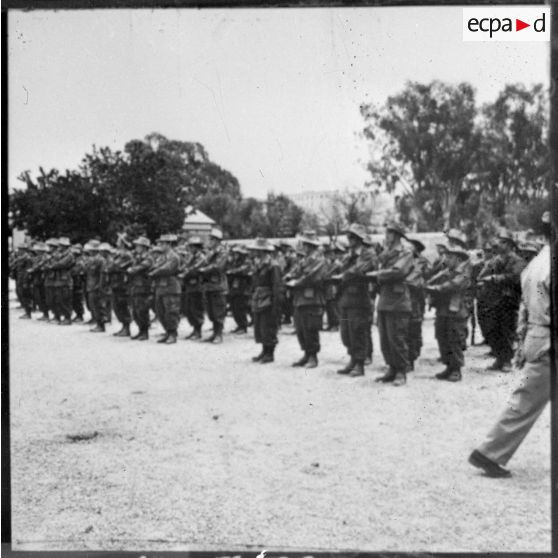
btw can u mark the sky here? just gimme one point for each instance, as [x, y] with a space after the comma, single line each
[272, 94]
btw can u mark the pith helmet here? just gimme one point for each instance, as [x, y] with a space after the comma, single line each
[64, 241]
[105, 247]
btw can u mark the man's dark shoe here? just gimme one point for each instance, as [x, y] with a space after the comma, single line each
[43, 319]
[98, 329]
[454, 376]
[90, 322]
[124, 332]
[348, 369]
[119, 332]
[66, 322]
[490, 468]
[312, 362]
[443, 375]
[170, 339]
[163, 339]
[266, 358]
[239, 330]
[400, 379]
[136, 336]
[216, 338]
[25, 317]
[357, 371]
[301, 362]
[78, 319]
[142, 336]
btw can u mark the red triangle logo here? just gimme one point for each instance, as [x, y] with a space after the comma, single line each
[519, 25]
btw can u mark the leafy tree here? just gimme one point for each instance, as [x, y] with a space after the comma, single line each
[423, 141]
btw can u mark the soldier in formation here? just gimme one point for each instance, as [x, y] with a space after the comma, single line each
[350, 284]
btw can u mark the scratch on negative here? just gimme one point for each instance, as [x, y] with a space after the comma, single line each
[27, 95]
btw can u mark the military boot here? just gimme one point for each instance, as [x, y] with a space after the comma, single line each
[196, 334]
[400, 379]
[347, 368]
[358, 370]
[312, 361]
[454, 376]
[142, 336]
[268, 354]
[119, 332]
[259, 357]
[171, 338]
[443, 375]
[301, 362]
[99, 328]
[124, 332]
[389, 376]
[163, 338]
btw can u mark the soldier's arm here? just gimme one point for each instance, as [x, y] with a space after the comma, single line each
[314, 274]
[167, 268]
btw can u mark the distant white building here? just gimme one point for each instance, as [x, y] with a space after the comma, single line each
[197, 223]
[321, 202]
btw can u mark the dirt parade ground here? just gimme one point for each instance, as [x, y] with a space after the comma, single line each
[127, 445]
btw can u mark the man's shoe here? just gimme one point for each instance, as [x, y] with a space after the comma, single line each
[443, 375]
[163, 339]
[454, 376]
[266, 358]
[98, 329]
[124, 332]
[43, 319]
[348, 369]
[490, 468]
[400, 379]
[25, 316]
[136, 336]
[142, 336]
[497, 365]
[312, 362]
[66, 322]
[78, 319]
[90, 322]
[215, 338]
[357, 371]
[170, 339]
[239, 330]
[117, 333]
[301, 362]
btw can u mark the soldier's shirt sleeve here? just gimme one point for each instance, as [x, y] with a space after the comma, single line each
[364, 263]
[168, 267]
[400, 268]
[459, 282]
[218, 263]
[314, 273]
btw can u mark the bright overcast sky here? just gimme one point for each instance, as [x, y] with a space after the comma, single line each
[272, 94]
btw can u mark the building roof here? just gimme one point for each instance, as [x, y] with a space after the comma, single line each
[198, 218]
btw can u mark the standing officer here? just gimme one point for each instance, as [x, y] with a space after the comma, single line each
[38, 279]
[354, 301]
[140, 286]
[193, 306]
[215, 285]
[449, 290]
[307, 284]
[50, 274]
[62, 281]
[23, 265]
[415, 280]
[240, 277]
[533, 390]
[118, 280]
[167, 289]
[332, 253]
[504, 276]
[394, 304]
[266, 299]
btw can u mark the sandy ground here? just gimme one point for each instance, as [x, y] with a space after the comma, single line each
[196, 447]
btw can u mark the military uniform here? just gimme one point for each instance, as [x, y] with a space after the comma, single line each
[449, 290]
[78, 280]
[192, 298]
[331, 293]
[118, 281]
[355, 303]
[167, 292]
[24, 288]
[215, 289]
[307, 287]
[266, 302]
[140, 289]
[240, 278]
[62, 281]
[95, 279]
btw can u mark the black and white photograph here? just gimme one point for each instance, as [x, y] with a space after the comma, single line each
[279, 279]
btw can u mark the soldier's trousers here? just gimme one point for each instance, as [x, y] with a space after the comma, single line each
[239, 309]
[40, 298]
[332, 313]
[503, 335]
[216, 309]
[451, 331]
[168, 311]
[50, 301]
[140, 311]
[354, 323]
[414, 339]
[394, 330]
[287, 308]
[487, 318]
[63, 301]
[98, 306]
[193, 308]
[307, 323]
[525, 405]
[121, 306]
[27, 297]
[77, 301]
[265, 327]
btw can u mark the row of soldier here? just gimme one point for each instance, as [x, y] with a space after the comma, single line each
[265, 284]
